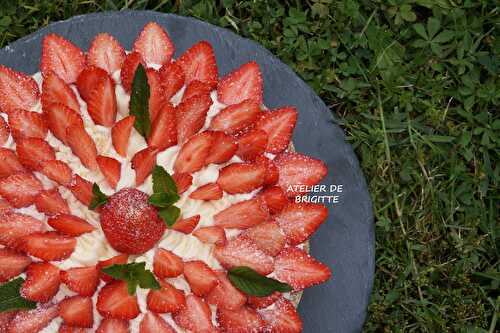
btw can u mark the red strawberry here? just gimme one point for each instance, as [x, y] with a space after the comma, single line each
[263, 302]
[223, 148]
[242, 215]
[275, 199]
[163, 130]
[196, 88]
[268, 237]
[199, 63]
[14, 226]
[83, 146]
[50, 202]
[114, 301]
[27, 124]
[154, 44]
[77, 311]
[110, 168]
[70, 225]
[33, 151]
[81, 189]
[172, 79]
[167, 299]
[241, 177]
[5, 319]
[49, 246]
[59, 118]
[12, 264]
[56, 91]
[88, 80]
[111, 325]
[244, 319]
[62, 57]
[299, 270]
[57, 171]
[156, 95]
[236, 117]
[183, 181]
[42, 282]
[119, 259]
[153, 323]
[186, 225]
[241, 251]
[300, 220]
[166, 264]
[106, 52]
[101, 103]
[210, 191]
[132, 60]
[71, 329]
[193, 154]
[20, 189]
[201, 278]
[17, 90]
[143, 163]
[211, 235]
[225, 295]
[251, 145]
[9, 163]
[196, 316]
[272, 173]
[4, 131]
[33, 321]
[4, 206]
[243, 83]
[120, 134]
[81, 280]
[279, 125]
[283, 317]
[191, 115]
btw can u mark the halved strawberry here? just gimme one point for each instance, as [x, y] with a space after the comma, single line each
[196, 88]
[56, 91]
[193, 154]
[186, 225]
[101, 103]
[299, 270]
[242, 215]
[274, 198]
[14, 226]
[201, 278]
[156, 95]
[20, 189]
[110, 168]
[5, 319]
[272, 173]
[153, 323]
[106, 52]
[199, 63]
[223, 148]
[297, 169]
[234, 118]
[119, 259]
[167, 299]
[243, 83]
[111, 325]
[268, 237]
[62, 57]
[71, 329]
[196, 316]
[241, 251]
[241, 177]
[33, 151]
[77, 311]
[42, 282]
[4, 131]
[57, 171]
[282, 317]
[59, 118]
[81, 189]
[211, 235]
[210, 191]
[81, 280]
[9, 163]
[12, 264]
[4, 206]
[17, 90]
[114, 301]
[70, 225]
[166, 264]
[243, 319]
[163, 129]
[279, 125]
[191, 114]
[88, 80]
[143, 163]
[33, 321]
[263, 302]
[49, 246]
[183, 181]
[82, 145]
[172, 79]
[120, 134]
[154, 44]
[132, 60]
[50, 202]
[27, 124]
[300, 220]
[251, 144]
[225, 295]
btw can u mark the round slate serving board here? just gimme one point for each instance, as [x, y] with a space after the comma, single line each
[346, 241]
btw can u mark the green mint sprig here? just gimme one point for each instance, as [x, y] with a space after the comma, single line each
[164, 196]
[135, 274]
[11, 299]
[98, 199]
[252, 283]
[139, 101]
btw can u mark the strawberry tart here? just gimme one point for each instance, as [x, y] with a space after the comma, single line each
[141, 193]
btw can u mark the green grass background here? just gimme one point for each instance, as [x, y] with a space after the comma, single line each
[415, 85]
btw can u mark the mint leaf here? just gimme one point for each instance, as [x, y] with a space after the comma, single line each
[162, 181]
[135, 274]
[252, 283]
[163, 199]
[139, 101]
[170, 214]
[11, 299]
[98, 199]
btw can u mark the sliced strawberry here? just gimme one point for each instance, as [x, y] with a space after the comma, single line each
[282, 317]
[263, 302]
[120, 134]
[167, 299]
[223, 148]
[242, 215]
[196, 88]
[210, 191]
[12, 264]
[154, 44]
[153, 323]
[33, 151]
[244, 319]
[70, 225]
[101, 103]
[234, 118]
[56, 91]
[77, 311]
[9, 163]
[196, 316]
[193, 154]
[243, 83]
[81, 189]
[57, 171]
[172, 79]
[33, 321]
[143, 163]
[20, 189]
[272, 173]
[166, 264]
[14, 226]
[62, 57]
[183, 181]
[71, 329]
[17, 90]
[119, 259]
[81, 280]
[5, 319]
[268, 237]
[59, 118]
[225, 295]
[156, 95]
[106, 52]
[110, 168]
[132, 60]
[88, 80]
[241, 251]
[300, 220]
[241, 177]
[49, 246]
[27, 124]
[201, 278]
[111, 325]
[163, 130]
[191, 115]
[50, 202]
[114, 301]
[279, 125]
[42, 282]
[251, 144]
[274, 198]
[186, 225]
[4, 206]
[4, 131]
[199, 63]
[211, 235]
[83, 146]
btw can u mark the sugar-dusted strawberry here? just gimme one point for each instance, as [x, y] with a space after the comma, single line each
[101, 102]
[263, 302]
[223, 148]
[120, 134]
[156, 95]
[49, 246]
[88, 80]
[268, 237]
[77, 311]
[9, 163]
[282, 317]
[32, 151]
[110, 168]
[114, 301]
[42, 282]
[210, 191]
[196, 88]
[50, 202]
[166, 264]
[12, 264]
[70, 225]
[183, 181]
[62, 57]
[243, 319]
[4, 206]
[274, 198]
[17, 90]
[279, 125]
[186, 225]
[163, 129]
[234, 118]
[241, 177]
[4, 131]
[33, 321]
[24, 123]
[112, 325]
[81, 189]
[300, 220]
[20, 189]
[132, 60]
[193, 154]
[153, 323]
[196, 316]
[243, 83]
[211, 235]
[106, 52]
[14, 226]
[143, 163]
[297, 169]
[242, 215]
[172, 79]
[272, 173]
[201, 278]
[59, 118]
[251, 144]
[199, 63]
[83, 146]
[191, 114]
[299, 269]
[56, 91]
[241, 251]
[167, 299]
[119, 259]
[72, 329]
[57, 171]
[154, 44]
[225, 295]
[81, 280]
[5, 319]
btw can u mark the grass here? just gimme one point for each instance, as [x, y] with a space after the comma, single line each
[415, 85]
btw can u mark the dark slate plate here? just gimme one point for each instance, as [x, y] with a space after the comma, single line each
[346, 241]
